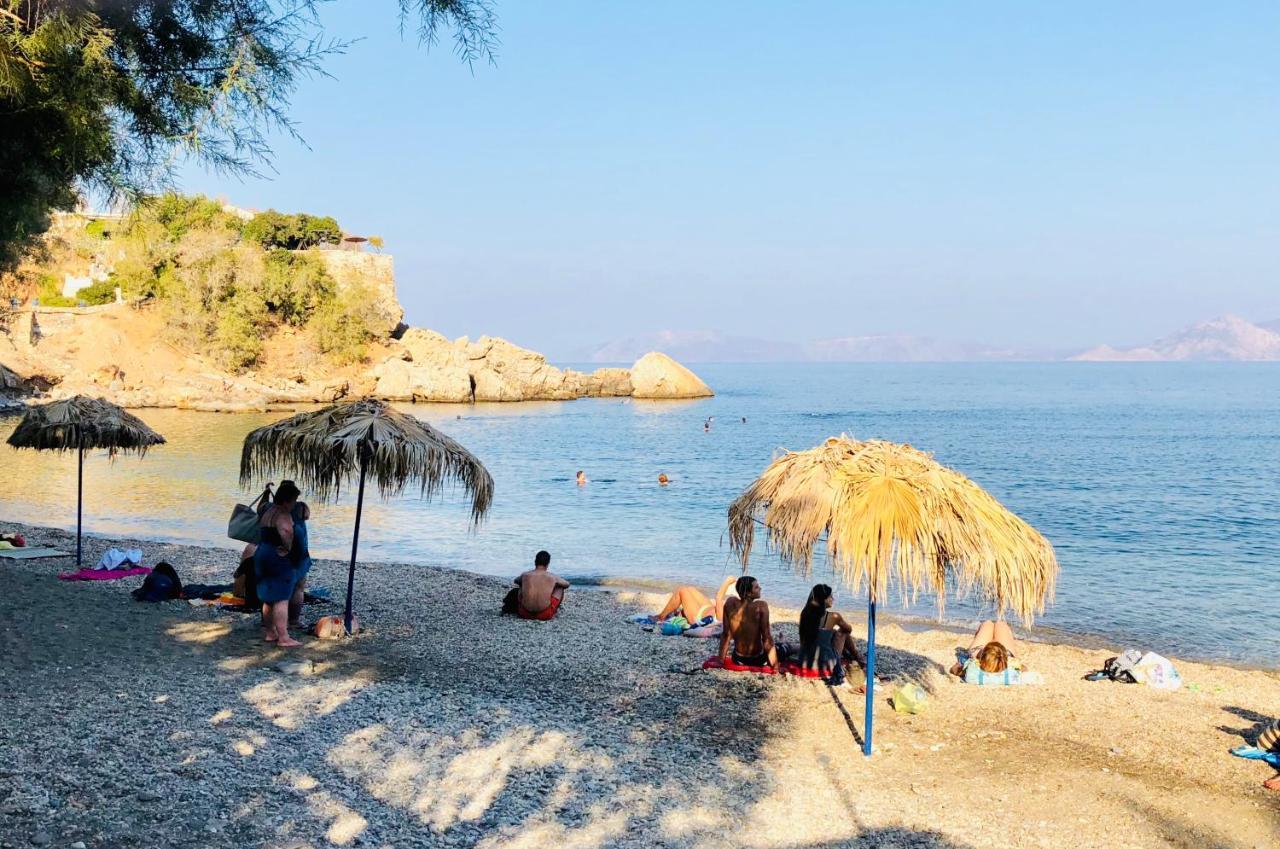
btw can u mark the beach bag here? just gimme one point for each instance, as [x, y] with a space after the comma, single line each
[243, 524]
[1121, 668]
[511, 602]
[1157, 671]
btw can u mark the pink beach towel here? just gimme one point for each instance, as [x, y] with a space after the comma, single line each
[103, 574]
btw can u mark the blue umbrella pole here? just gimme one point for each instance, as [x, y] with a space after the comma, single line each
[79, 503]
[355, 544]
[871, 671]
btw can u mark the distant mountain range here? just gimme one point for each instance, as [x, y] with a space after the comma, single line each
[1229, 338]
[707, 346]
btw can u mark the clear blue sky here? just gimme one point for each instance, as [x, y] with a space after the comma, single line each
[1018, 173]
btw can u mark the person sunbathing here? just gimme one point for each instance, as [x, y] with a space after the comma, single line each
[695, 607]
[746, 628]
[992, 651]
[541, 592]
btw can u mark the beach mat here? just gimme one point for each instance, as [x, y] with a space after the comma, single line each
[31, 553]
[103, 574]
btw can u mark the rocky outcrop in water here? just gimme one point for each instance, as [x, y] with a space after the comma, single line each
[655, 375]
[120, 352]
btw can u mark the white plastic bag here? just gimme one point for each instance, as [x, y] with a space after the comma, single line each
[1157, 671]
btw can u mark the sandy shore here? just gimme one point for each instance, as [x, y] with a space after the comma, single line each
[136, 725]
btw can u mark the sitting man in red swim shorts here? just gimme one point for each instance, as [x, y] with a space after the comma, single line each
[540, 591]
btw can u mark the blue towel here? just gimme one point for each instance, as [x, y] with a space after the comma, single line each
[1253, 753]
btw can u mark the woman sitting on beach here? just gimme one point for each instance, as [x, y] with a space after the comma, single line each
[695, 607]
[825, 642]
[275, 564]
[991, 658]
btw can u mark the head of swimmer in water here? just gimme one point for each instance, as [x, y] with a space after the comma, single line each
[663, 480]
[581, 477]
[748, 588]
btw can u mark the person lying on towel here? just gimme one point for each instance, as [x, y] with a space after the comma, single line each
[541, 591]
[746, 628]
[690, 603]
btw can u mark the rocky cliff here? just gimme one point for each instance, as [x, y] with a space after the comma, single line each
[121, 352]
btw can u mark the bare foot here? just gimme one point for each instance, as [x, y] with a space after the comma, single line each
[269, 636]
[287, 642]
[1272, 783]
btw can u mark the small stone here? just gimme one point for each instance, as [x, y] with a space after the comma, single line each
[79, 844]
[41, 838]
[148, 796]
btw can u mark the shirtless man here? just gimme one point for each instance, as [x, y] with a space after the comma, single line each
[540, 591]
[746, 624]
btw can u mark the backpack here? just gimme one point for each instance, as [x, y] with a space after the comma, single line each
[162, 584]
[1121, 668]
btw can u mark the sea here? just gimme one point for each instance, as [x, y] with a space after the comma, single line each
[1157, 483]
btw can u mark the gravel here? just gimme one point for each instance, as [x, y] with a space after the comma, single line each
[147, 725]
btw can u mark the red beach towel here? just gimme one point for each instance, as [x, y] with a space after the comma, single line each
[103, 574]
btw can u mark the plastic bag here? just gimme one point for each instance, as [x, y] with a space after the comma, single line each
[910, 698]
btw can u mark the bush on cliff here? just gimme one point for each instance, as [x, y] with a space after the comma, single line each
[224, 294]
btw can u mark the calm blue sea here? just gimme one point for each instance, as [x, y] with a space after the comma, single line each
[1159, 484]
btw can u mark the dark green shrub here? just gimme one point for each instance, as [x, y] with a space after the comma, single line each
[102, 292]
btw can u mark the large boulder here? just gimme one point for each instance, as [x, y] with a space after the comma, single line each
[501, 371]
[424, 366]
[655, 375]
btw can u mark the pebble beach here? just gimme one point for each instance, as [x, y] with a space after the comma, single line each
[444, 724]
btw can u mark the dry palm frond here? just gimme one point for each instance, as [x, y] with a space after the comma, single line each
[83, 422]
[891, 513]
[327, 447]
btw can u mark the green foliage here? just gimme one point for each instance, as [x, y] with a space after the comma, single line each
[102, 292]
[49, 291]
[376, 242]
[345, 325]
[225, 295]
[97, 229]
[273, 229]
[294, 285]
[103, 95]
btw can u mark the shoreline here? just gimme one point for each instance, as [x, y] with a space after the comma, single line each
[445, 724]
[655, 591]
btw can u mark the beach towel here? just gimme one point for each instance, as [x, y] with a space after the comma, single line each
[114, 558]
[87, 574]
[705, 631]
[32, 553]
[1253, 753]
[788, 668]
[1010, 677]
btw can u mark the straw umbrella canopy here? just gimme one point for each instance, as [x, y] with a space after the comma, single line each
[80, 423]
[361, 439]
[892, 515]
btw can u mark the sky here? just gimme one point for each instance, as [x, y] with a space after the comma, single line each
[1026, 174]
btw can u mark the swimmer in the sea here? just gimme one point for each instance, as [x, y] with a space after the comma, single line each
[663, 480]
[582, 478]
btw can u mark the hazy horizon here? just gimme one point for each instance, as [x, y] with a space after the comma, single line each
[998, 173]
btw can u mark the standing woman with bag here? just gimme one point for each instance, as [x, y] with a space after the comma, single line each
[275, 564]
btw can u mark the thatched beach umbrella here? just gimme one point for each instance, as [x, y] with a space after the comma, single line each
[363, 439]
[80, 423]
[892, 514]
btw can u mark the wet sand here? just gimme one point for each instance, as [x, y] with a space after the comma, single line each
[145, 725]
